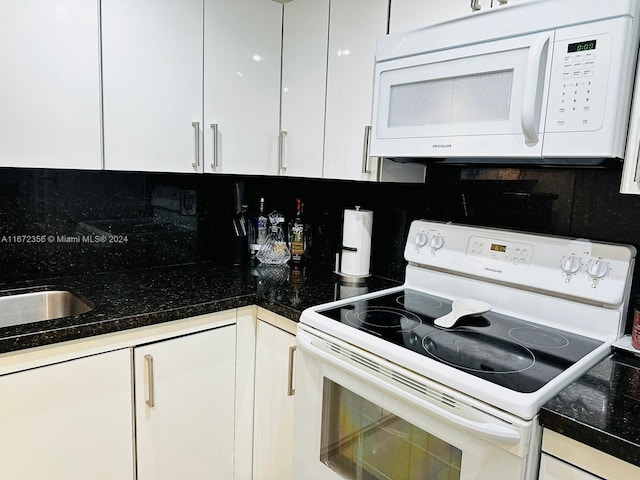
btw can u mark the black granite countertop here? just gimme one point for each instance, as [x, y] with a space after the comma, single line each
[140, 297]
[602, 408]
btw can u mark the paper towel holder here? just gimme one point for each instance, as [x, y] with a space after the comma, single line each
[356, 222]
[345, 277]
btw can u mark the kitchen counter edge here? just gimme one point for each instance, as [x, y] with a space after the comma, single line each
[601, 408]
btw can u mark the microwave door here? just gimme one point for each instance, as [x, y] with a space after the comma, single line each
[478, 100]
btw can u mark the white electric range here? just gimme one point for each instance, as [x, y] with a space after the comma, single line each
[385, 388]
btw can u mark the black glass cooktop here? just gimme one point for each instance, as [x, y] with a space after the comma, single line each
[507, 351]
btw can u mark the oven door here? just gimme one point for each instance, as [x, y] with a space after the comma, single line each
[360, 417]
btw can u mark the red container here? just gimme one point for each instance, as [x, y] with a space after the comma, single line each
[635, 331]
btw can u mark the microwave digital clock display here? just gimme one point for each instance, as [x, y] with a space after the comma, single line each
[581, 46]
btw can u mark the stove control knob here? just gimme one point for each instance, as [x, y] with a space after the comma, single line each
[436, 242]
[598, 269]
[421, 239]
[571, 264]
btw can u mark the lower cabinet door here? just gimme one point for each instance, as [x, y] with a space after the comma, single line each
[273, 417]
[552, 468]
[68, 421]
[184, 396]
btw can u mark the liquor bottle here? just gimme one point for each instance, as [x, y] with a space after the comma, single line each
[297, 230]
[259, 229]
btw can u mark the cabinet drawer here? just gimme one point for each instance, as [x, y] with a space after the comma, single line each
[553, 469]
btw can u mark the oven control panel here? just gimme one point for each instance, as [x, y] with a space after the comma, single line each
[499, 251]
[595, 271]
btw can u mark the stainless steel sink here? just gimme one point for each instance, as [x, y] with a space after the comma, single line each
[19, 308]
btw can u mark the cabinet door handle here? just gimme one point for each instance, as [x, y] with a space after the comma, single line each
[214, 164]
[365, 150]
[282, 163]
[148, 367]
[290, 388]
[196, 126]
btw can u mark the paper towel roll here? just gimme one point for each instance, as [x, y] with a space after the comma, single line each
[356, 234]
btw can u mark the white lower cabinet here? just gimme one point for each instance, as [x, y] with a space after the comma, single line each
[566, 459]
[208, 397]
[184, 395]
[68, 421]
[553, 469]
[273, 408]
[150, 403]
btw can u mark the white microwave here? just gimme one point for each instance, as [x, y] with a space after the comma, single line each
[541, 81]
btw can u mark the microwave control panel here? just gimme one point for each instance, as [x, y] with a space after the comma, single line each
[579, 78]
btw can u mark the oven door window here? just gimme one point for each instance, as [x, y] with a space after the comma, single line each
[361, 440]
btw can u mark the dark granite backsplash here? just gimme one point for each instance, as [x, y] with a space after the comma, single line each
[178, 218]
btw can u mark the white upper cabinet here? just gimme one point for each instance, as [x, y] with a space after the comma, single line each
[191, 85]
[355, 26]
[631, 168]
[50, 84]
[412, 14]
[328, 65]
[242, 42]
[152, 84]
[304, 72]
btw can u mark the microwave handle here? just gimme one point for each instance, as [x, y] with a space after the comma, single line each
[536, 62]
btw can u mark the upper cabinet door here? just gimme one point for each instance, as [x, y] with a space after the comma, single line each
[304, 72]
[50, 84]
[408, 15]
[354, 28]
[242, 61]
[413, 14]
[152, 84]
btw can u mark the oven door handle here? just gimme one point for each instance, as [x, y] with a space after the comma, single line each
[497, 434]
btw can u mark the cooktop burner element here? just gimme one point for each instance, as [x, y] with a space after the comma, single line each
[526, 355]
[418, 302]
[383, 317]
[478, 352]
[538, 337]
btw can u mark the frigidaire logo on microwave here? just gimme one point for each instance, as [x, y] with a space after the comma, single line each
[441, 145]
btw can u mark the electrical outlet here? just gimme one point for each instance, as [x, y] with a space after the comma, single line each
[188, 202]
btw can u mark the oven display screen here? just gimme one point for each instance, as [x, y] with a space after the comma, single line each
[498, 248]
[581, 46]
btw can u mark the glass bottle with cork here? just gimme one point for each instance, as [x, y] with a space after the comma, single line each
[297, 235]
